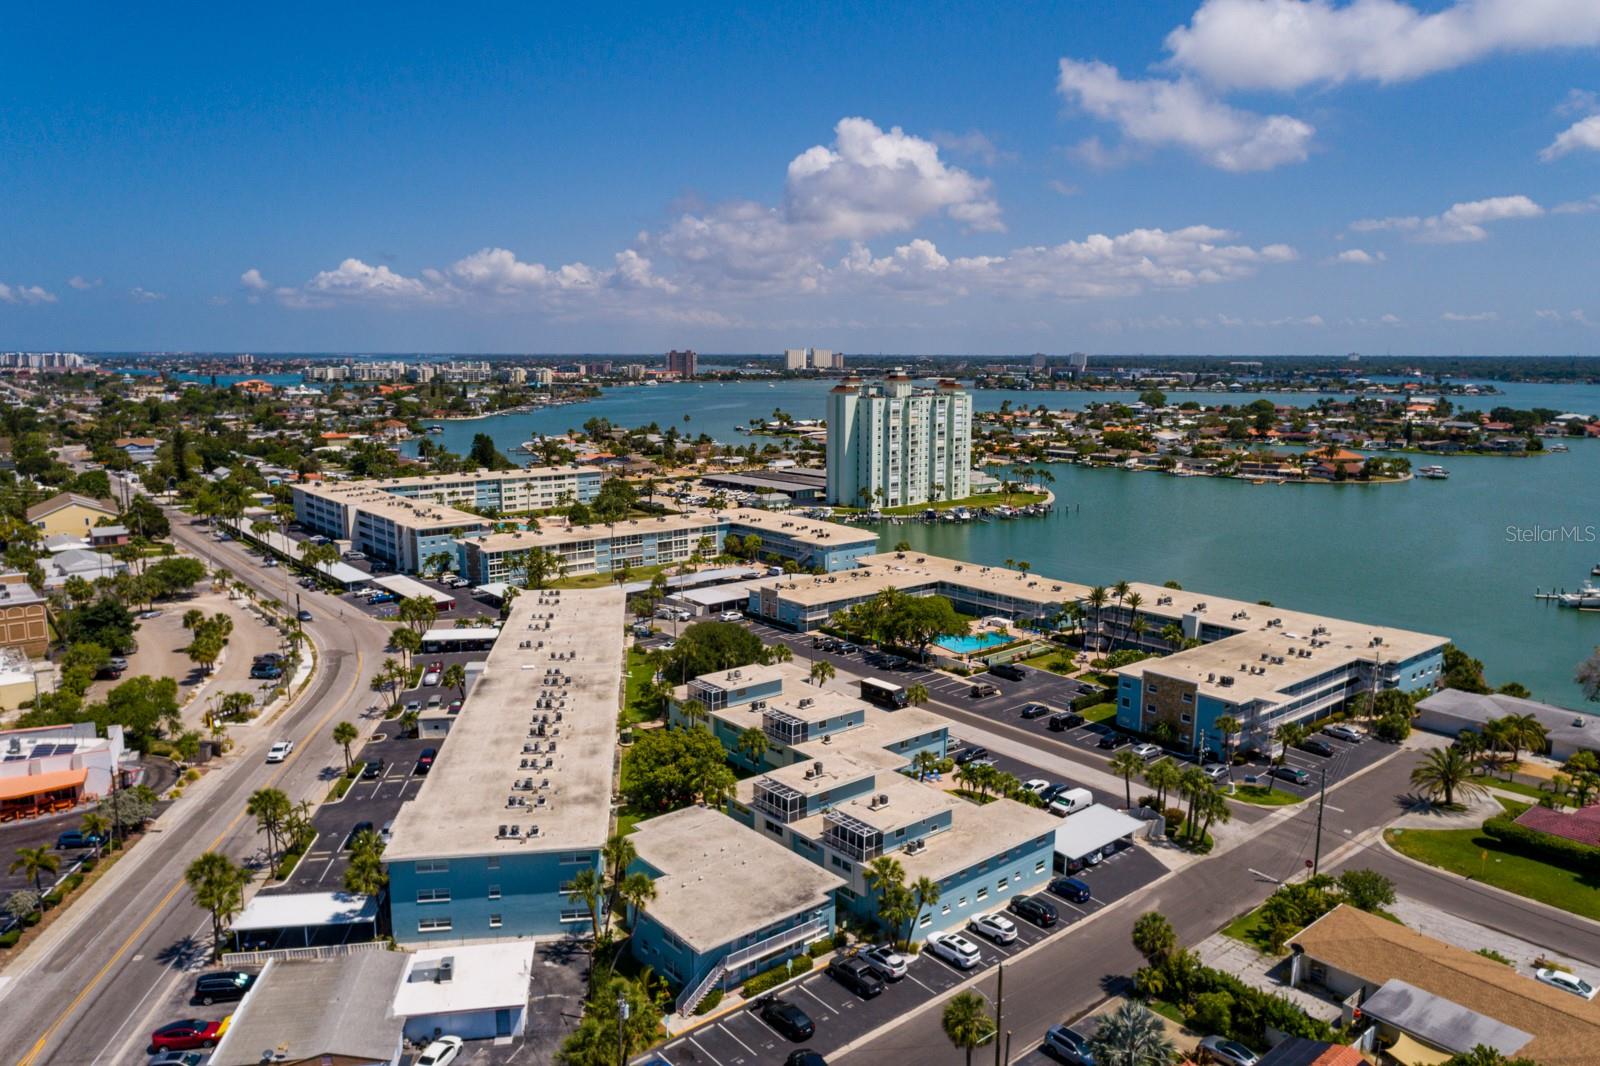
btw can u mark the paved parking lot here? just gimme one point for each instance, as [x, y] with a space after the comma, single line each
[742, 1038]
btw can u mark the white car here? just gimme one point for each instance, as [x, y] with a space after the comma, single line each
[1565, 981]
[730, 616]
[1147, 751]
[955, 949]
[1344, 732]
[1036, 785]
[430, 678]
[996, 927]
[442, 1052]
[280, 751]
[889, 963]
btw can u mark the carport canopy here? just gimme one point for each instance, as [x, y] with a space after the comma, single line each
[407, 588]
[312, 915]
[1092, 829]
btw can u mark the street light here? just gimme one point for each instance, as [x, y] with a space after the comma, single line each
[622, 1017]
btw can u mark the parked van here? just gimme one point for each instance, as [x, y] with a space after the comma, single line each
[1071, 802]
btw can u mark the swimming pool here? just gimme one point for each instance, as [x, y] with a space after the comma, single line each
[968, 645]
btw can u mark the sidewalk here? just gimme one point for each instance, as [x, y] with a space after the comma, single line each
[1260, 971]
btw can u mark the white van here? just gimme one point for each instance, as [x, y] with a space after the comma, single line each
[1071, 801]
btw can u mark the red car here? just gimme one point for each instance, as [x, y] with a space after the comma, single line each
[186, 1035]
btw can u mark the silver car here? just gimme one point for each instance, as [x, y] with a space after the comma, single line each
[1220, 1049]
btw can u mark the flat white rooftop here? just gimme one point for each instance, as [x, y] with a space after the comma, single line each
[913, 571]
[482, 977]
[720, 881]
[409, 588]
[535, 742]
[294, 910]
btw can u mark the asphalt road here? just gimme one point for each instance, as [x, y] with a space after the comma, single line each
[92, 989]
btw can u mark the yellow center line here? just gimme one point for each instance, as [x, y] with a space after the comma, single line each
[134, 936]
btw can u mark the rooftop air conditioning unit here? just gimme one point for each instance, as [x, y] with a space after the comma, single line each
[514, 831]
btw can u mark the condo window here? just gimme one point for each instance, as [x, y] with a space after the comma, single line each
[494, 921]
[574, 914]
[1038, 867]
[433, 866]
[1185, 718]
[494, 891]
[433, 895]
[1001, 887]
[983, 894]
[433, 925]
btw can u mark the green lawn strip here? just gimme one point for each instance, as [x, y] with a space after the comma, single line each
[1246, 928]
[988, 499]
[973, 796]
[1512, 807]
[601, 580]
[640, 671]
[1514, 786]
[1470, 853]
[1262, 796]
[1099, 712]
[1054, 660]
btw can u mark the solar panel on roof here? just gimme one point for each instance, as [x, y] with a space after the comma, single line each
[66, 749]
[43, 749]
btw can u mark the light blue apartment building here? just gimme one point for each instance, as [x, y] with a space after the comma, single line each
[835, 786]
[728, 905]
[1263, 665]
[519, 798]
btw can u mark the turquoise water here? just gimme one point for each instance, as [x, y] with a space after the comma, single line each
[967, 645]
[1460, 558]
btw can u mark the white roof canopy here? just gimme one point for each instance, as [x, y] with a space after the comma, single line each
[1092, 829]
[306, 909]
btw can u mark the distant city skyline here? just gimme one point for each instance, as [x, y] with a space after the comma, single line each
[1237, 177]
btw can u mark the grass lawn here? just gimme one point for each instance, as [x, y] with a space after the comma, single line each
[627, 821]
[1246, 928]
[989, 499]
[1261, 796]
[1054, 660]
[600, 581]
[636, 709]
[1518, 787]
[1100, 712]
[973, 796]
[1470, 853]
[1512, 807]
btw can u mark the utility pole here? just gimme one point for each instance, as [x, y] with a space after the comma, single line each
[622, 1017]
[999, 1010]
[1322, 800]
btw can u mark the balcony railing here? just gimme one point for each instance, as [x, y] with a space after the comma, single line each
[777, 942]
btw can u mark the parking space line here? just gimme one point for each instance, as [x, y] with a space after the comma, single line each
[708, 1054]
[818, 998]
[913, 977]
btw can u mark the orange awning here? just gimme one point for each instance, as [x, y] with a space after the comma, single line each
[38, 784]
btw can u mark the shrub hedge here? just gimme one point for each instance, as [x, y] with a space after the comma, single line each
[1545, 847]
[777, 975]
[709, 1004]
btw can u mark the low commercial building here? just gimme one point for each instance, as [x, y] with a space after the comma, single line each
[476, 992]
[804, 602]
[23, 624]
[1430, 1000]
[1265, 666]
[1452, 712]
[47, 769]
[729, 903]
[519, 800]
[318, 1012]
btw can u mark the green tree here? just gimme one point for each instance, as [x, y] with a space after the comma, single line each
[822, 672]
[269, 807]
[1446, 773]
[1367, 890]
[1154, 937]
[666, 769]
[1126, 765]
[707, 647]
[344, 735]
[966, 1022]
[366, 876]
[603, 1036]
[217, 886]
[1132, 1035]
[455, 676]
[34, 863]
[406, 641]
[752, 744]
[1163, 776]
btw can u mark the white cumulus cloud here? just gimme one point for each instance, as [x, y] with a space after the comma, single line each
[1462, 223]
[1359, 257]
[140, 294]
[252, 280]
[1289, 44]
[25, 294]
[1583, 135]
[1160, 112]
[82, 284]
[1471, 316]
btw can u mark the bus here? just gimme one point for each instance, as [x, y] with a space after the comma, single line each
[884, 693]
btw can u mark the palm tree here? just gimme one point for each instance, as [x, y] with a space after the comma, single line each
[365, 875]
[1192, 784]
[344, 735]
[96, 826]
[1446, 772]
[1212, 807]
[407, 642]
[34, 863]
[1288, 735]
[588, 887]
[1097, 600]
[966, 1022]
[822, 672]
[926, 892]
[917, 694]
[218, 888]
[926, 764]
[1523, 731]
[455, 676]
[1132, 1035]
[1228, 726]
[1134, 602]
[1126, 765]
[636, 891]
[753, 744]
[269, 807]
[1163, 776]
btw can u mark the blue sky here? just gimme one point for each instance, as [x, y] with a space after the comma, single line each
[1232, 176]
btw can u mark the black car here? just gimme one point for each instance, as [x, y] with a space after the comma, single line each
[1070, 888]
[373, 769]
[790, 1021]
[1060, 723]
[1031, 711]
[1052, 791]
[1038, 911]
[805, 1057]
[966, 755]
[425, 760]
[1009, 671]
[269, 657]
[857, 975]
[355, 831]
[1317, 746]
[225, 986]
[1113, 741]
